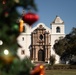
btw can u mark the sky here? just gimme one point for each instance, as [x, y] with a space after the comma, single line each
[49, 9]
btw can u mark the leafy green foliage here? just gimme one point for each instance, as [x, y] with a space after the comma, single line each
[17, 67]
[52, 59]
[9, 31]
[9, 28]
[60, 46]
[66, 47]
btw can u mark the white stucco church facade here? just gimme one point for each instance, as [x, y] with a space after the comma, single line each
[37, 42]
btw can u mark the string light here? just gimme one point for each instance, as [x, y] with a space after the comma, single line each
[6, 52]
[41, 66]
[1, 42]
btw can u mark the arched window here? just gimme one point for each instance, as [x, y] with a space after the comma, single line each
[58, 29]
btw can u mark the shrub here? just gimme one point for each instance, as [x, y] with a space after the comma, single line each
[52, 59]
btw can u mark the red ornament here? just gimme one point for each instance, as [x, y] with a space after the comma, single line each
[38, 70]
[30, 18]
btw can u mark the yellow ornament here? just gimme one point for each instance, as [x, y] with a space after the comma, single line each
[17, 1]
[21, 25]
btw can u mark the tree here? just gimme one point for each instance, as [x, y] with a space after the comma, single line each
[60, 46]
[17, 67]
[9, 31]
[9, 28]
[66, 47]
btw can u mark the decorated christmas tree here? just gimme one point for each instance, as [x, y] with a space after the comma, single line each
[9, 28]
[10, 64]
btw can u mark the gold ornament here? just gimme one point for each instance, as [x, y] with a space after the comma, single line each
[21, 25]
[17, 1]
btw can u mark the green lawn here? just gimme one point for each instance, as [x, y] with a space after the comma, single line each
[60, 72]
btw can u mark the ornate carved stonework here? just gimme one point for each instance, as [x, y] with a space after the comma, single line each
[40, 45]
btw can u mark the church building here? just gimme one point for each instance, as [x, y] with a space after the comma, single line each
[37, 42]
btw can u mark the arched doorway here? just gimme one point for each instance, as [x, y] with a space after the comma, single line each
[41, 55]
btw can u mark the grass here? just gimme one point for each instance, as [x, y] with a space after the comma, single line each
[60, 72]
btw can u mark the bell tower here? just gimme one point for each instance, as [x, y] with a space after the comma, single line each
[57, 30]
[57, 26]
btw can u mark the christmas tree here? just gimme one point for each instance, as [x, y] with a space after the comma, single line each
[9, 28]
[10, 64]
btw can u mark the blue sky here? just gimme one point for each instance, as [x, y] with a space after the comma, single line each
[48, 9]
